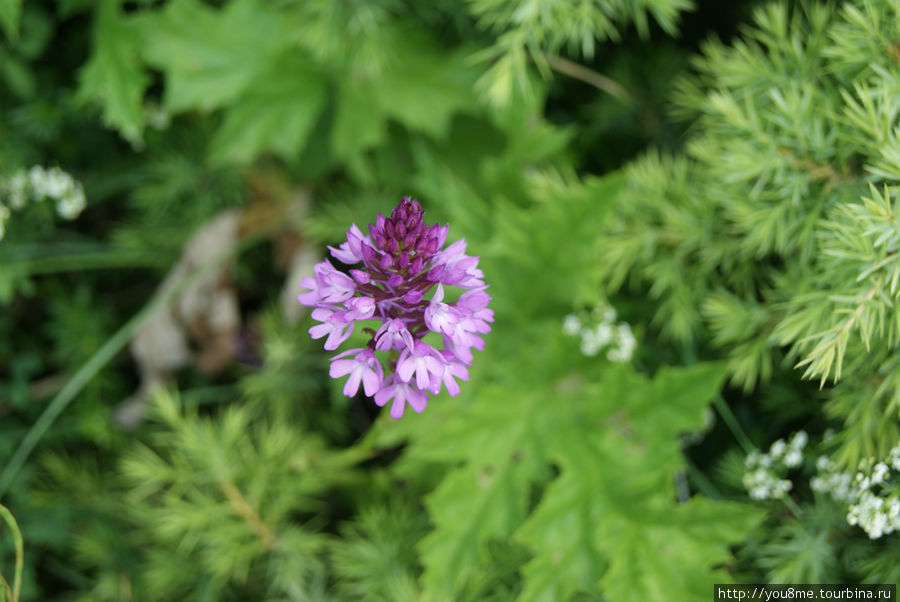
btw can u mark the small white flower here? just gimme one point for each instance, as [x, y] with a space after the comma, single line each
[879, 473]
[36, 177]
[57, 183]
[894, 457]
[571, 325]
[799, 440]
[793, 458]
[71, 206]
[777, 449]
[39, 184]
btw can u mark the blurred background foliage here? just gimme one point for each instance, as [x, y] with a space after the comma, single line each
[722, 174]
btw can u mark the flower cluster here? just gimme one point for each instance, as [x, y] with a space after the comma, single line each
[39, 184]
[598, 330]
[763, 478]
[873, 497]
[403, 259]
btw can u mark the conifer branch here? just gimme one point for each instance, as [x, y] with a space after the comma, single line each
[817, 171]
[831, 351]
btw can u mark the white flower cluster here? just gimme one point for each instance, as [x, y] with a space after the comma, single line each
[833, 481]
[598, 330]
[39, 184]
[763, 478]
[873, 498]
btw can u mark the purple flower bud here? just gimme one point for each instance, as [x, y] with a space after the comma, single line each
[413, 296]
[360, 276]
[403, 260]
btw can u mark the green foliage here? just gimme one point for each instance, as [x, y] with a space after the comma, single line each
[758, 248]
[226, 494]
[527, 31]
[773, 236]
[609, 434]
[10, 12]
[113, 75]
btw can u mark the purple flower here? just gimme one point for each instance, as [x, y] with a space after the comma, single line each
[363, 367]
[402, 261]
[402, 394]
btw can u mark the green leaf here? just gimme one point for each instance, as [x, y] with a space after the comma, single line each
[425, 86]
[113, 76]
[10, 13]
[275, 114]
[475, 504]
[210, 57]
[357, 124]
[613, 434]
[610, 522]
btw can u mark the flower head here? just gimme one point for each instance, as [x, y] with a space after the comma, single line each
[402, 261]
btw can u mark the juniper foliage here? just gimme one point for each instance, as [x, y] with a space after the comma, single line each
[772, 236]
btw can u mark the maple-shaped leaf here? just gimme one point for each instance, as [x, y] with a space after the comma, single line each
[276, 112]
[211, 56]
[610, 523]
[420, 86]
[114, 76]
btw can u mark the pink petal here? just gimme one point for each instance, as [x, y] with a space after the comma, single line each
[371, 382]
[405, 369]
[417, 401]
[352, 384]
[397, 408]
[422, 380]
[320, 330]
[341, 368]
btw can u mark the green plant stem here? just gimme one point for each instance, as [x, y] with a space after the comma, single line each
[20, 552]
[588, 76]
[103, 355]
[791, 504]
[733, 425]
[71, 257]
[704, 485]
[87, 261]
[7, 591]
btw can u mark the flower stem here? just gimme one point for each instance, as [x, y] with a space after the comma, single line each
[588, 76]
[20, 553]
[733, 425]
